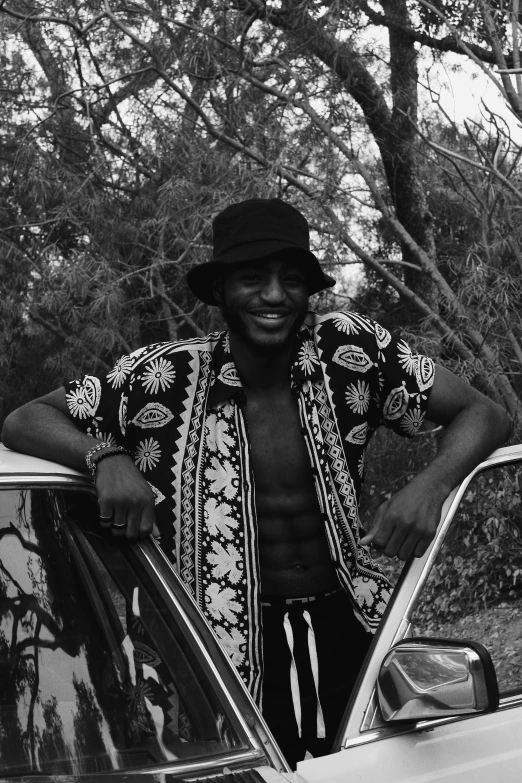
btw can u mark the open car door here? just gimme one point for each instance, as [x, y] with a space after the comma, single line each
[436, 707]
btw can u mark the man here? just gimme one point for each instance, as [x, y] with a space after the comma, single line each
[250, 443]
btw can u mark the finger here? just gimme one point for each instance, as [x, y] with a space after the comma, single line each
[147, 522]
[133, 522]
[421, 546]
[142, 523]
[408, 547]
[106, 515]
[119, 523]
[393, 545]
[374, 529]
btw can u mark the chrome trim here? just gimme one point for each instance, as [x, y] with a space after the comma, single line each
[381, 732]
[45, 478]
[195, 766]
[508, 702]
[385, 732]
[270, 749]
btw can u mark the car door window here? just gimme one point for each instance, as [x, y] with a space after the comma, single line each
[474, 589]
[96, 674]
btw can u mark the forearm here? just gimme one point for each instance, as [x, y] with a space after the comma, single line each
[44, 428]
[467, 440]
[44, 431]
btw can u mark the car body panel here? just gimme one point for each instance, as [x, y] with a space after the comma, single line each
[480, 749]
[459, 749]
[12, 463]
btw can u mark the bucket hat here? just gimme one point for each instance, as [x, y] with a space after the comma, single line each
[255, 230]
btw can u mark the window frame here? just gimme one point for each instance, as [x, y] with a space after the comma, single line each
[360, 724]
[262, 749]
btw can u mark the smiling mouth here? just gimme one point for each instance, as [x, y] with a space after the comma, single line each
[270, 316]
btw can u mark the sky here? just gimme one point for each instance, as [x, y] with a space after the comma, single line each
[462, 89]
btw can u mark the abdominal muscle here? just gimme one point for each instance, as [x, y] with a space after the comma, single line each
[293, 550]
[294, 556]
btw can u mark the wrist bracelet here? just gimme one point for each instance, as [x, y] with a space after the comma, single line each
[88, 457]
[91, 460]
[112, 452]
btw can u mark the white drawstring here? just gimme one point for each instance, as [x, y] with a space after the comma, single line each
[294, 680]
[312, 649]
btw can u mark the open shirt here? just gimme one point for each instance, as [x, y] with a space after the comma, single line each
[179, 408]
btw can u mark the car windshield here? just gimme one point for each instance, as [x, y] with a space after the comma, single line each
[96, 672]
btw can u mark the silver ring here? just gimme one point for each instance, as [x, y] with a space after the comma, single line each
[121, 526]
[106, 519]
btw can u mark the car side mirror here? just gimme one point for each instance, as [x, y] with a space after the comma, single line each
[422, 679]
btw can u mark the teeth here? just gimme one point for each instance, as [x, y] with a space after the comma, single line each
[271, 316]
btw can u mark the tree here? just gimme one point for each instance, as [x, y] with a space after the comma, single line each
[151, 116]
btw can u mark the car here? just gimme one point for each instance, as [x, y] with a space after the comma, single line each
[108, 667]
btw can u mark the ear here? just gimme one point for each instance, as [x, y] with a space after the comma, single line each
[218, 289]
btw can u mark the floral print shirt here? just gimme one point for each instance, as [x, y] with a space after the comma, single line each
[179, 408]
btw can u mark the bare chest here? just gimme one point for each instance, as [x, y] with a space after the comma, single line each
[279, 454]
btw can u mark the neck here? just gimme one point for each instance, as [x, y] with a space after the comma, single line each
[261, 370]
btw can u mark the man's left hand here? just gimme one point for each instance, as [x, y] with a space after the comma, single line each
[406, 523]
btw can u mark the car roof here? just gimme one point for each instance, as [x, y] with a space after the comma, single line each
[14, 463]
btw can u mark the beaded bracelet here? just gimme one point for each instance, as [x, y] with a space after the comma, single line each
[91, 460]
[112, 452]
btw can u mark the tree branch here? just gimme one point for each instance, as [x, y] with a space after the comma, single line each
[450, 43]
[467, 49]
[32, 17]
[68, 338]
[176, 309]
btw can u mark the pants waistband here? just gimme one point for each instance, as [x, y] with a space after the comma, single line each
[279, 600]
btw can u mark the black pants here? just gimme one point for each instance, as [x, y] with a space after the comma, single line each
[341, 643]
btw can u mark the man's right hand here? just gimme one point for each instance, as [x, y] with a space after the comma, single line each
[44, 428]
[125, 498]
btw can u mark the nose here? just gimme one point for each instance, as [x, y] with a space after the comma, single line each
[273, 291]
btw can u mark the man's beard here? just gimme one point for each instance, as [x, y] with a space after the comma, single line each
[236, 326]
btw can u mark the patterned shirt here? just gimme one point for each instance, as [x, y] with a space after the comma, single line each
[179, 408]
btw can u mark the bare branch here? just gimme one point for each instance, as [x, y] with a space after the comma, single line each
[514, 101]
[490, 169]
[176, 309]
[465, 48]
[31, 17]
[452, 43]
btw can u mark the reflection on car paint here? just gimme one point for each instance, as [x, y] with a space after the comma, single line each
[135, 602]
[83, 688]
[45, 715]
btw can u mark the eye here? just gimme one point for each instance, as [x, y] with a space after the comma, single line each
[250, 277]
[294, 278]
